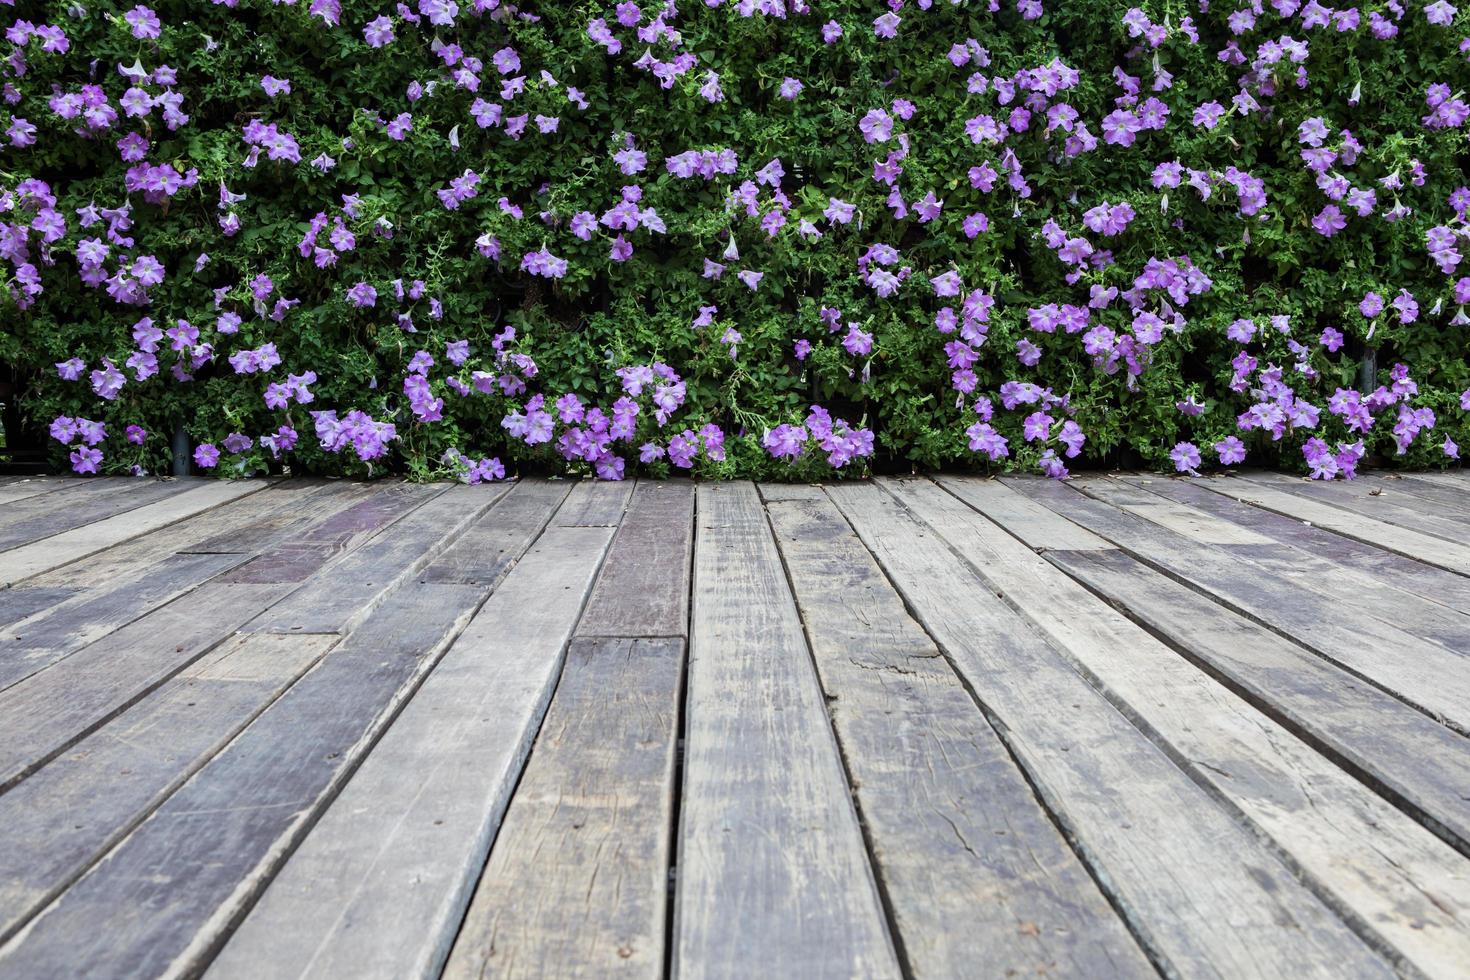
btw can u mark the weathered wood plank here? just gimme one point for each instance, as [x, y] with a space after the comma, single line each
[163, 900]
[360, 580]
[1306, 571]
[131, 558]
[1386, 568]
[42, 640]
[1423, 673]
[69, 546]
[335, 507]
[1354, 848]
[32, 520]
[18, 490]
[1045, 530]
[66, 816]
[577, 884]
[1400, 540]
[1426, 495]
[1386, 506]
[643, 589]
[47, 713]
[769, 845]
[26, 601]
[382, 882]
[595, 503]
[297, 554]
[1202, 893]
[487, 549]
[974, 870]
[1413, 758]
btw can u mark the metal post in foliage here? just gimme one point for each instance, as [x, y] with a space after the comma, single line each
[181, 452]
[1368, 370]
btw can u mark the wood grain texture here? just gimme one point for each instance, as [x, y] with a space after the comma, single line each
[1354, 848]
[35, 643]
[69, 546]
[1385, 568]
[487, 549]
[81, 502]
[361, 579]
[25, 489]
[381, 884]
[47, 713]
[1451, 555]
[25, 601]
[1378, 501]
[1418, 760]
[1425, 674]
[1355, 589]
[1203, 894]
[773, 873]
[1425, 495]
[595, 503]
[163, 900]
[65, 817]
[643, 589]
[577, 884]
[974, 870]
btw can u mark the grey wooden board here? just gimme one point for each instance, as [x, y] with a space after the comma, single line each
[1355, 589]
[1045, 530]
[974, 870]
[1422, 673]
[595, 503]
[1400, 540]
[76, 494]
[17, 490]
[1456, 477]
[46, 713]
[487, 549]
[63, 818]
[772, 866]
[577, 884]
[42, 640]
[60, 549]
[320, 502]
[643, 589]
[1388, 505]
[1417, 760]
[1395, 571]
[1427, 494]
[381, 883]
[302, 549]
[53, 517]
[1191, 880]
[1354, 848]
[362, 578]
[163, 899]
[127, 558]
[25, 601]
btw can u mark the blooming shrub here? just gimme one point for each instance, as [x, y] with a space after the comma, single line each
[757, 237]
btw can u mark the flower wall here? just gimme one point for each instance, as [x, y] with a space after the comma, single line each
[740, 237]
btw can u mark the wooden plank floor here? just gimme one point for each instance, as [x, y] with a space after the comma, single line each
[1122, 726]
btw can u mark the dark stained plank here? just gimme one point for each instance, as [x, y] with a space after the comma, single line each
[1388, 505]
[1411, 543]
[1419, 762]
[1351, 846]
[771, 862]
[300, 550]
[973, 868]
[66, 816]
[75, 496]
[45, 714]
[595, 503]
[132, 558]
[1425, 674]
[1307, 572]
[25, 601]
[1386, 568]
[577, 884]
[1190, 879]
[486, 550]
[29, 646]
[644, 586]
[164, 898]
[43, 518]
[382, 882]
[1427, 495]
[98, 535]
[360, 580]
[325, 504]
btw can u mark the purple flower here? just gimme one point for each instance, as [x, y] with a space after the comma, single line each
[144, 22]
[1231, 451]
[85, 459]
[1186, 457]
[136, 434]
[378, 32]
[886, 26]
[1329, 221]
[206, 456]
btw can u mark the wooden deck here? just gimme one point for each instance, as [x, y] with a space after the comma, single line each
[1118, 727]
